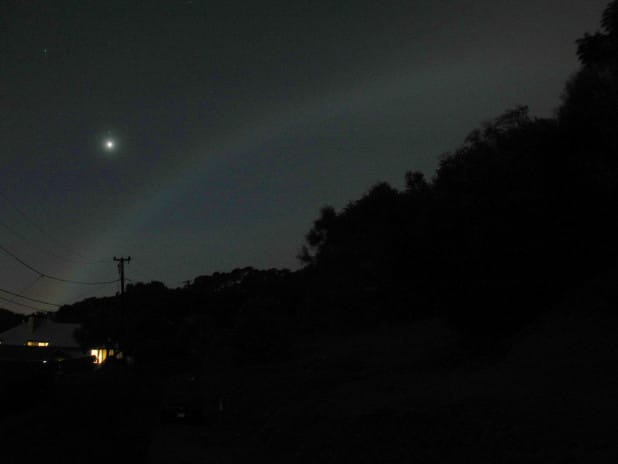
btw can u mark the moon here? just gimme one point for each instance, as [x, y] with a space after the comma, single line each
[109, 144]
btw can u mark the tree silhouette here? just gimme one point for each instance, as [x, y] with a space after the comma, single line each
[520, 212]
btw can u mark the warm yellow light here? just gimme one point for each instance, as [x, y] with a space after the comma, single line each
[33, 343]
[101, 355]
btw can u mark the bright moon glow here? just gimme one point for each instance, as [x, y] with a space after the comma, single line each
[109, 144]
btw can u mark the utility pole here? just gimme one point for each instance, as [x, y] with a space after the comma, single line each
[121, 262]
[121, 316]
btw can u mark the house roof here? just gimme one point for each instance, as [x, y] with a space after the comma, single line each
[60, 335]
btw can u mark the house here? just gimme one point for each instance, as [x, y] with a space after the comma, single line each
[42, 339]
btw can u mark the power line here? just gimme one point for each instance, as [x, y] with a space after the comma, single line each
[87, 294]
[51, 277]
[139, 277]
[34, 300]
[30, 285]
[8, 300]
[41, 248]
[139, 274]
[47, 234]
[20, 261]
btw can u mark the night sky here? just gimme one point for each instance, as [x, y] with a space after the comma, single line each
[233, 125]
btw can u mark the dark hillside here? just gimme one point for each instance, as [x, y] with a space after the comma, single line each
[410, 393]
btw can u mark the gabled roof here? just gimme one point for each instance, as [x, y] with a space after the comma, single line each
[44, 330]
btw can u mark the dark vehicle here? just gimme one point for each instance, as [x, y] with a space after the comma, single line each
[183, 401]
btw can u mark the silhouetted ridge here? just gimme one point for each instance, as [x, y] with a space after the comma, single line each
[523, 210]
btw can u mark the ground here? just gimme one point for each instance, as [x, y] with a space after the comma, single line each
[408, 394]
[99, 416]
[388, 395]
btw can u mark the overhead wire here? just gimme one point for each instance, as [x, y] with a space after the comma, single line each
[139, 274]
[31, 284]
[51, 277]
[87, 294]
[41, 274]
[34, 300]
[140, 278]
[8, 300]
[33, 244]
[47, 234]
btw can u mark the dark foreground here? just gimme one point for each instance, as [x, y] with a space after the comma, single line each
[390, 395]
[83, 417]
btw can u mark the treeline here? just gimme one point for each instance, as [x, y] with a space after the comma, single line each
[522, 211]
[243, 316]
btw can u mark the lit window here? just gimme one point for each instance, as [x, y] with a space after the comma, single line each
[101, 355]
[35, 343]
